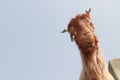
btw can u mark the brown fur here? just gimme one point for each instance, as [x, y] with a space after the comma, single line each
[82, 32]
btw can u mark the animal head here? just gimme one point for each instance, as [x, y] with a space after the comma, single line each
[81, 31]
[78, 24]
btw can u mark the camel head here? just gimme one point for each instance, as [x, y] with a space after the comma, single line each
[81, 30]
[80, 25]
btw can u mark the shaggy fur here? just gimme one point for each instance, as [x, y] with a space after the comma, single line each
[82, 32]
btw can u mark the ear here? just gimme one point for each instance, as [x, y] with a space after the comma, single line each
[88, 12]
[64, 31]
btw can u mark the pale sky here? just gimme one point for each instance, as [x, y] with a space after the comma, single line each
[32, 47]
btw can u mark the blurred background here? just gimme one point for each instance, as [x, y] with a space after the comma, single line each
[32, 46]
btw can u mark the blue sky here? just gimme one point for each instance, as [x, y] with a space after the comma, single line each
[32, 47]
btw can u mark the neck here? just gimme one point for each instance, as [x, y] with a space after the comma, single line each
[93, 65]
